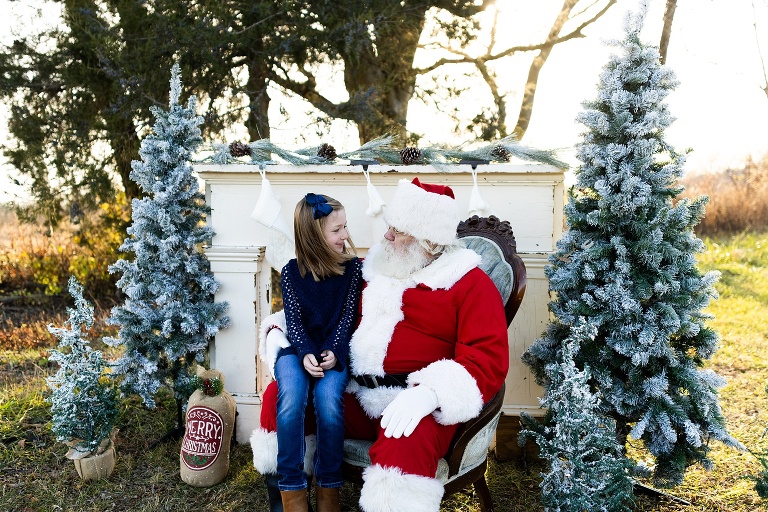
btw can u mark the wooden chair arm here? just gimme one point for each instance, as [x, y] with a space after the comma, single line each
[469, 429]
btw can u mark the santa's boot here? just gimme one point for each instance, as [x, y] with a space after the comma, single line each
[273, 492]
[327, 499]
[390, 490]
[295, 501]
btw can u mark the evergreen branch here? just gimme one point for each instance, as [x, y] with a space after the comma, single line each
[369, 149]
[383, 150]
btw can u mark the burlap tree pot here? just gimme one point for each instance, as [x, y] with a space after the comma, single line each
[94, 465]
[97, 467]
[210, 421]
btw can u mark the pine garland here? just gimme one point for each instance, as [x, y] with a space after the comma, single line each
[381, 149]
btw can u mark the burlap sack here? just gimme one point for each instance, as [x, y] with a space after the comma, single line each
[97, 467]
[210, 420]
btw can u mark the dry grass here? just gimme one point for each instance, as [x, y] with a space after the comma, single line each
[738, 199]
[35, 264]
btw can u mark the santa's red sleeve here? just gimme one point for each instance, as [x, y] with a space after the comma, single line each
[481, 361]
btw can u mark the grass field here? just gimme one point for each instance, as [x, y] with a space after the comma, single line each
[35, 476]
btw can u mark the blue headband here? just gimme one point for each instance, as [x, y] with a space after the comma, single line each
[320, 206]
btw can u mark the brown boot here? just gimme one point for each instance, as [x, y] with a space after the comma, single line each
[294, 501]
[327, 499]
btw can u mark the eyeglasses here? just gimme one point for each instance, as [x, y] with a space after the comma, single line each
[396, 231]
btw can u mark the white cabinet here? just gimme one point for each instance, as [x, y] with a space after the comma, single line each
[530, 197]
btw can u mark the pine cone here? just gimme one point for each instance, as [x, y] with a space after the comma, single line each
[237, 148]
[501, 153]
[327, 151]
[410, 155]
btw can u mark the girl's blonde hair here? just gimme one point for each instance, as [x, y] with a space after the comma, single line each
[313, 253]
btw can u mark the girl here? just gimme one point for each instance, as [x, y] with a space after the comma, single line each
[321, 291]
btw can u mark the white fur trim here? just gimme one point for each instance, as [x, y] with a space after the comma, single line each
[268, 351]
[390, 490]
[458, 397]
[425, 215]
[382, 310]
[446, 270]
[383, 303]
[373, 401]
[264, 447]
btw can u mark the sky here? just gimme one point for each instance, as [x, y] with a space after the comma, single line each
[721, 111]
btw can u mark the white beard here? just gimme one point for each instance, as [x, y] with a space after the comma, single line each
[400, 263]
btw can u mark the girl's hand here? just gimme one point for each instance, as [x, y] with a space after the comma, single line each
[310, 364]
[329, 360]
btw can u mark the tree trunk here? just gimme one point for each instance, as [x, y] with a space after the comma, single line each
[252, 48]
[381, 79]
[125, 147]
[122, 130]
[526, 108]
[666, 32]
[258, 113]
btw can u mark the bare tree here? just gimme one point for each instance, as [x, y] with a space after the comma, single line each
[497, 121]
[666, 31]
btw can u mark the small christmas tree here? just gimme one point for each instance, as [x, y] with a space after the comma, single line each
[627, 265]
[169, 314]
[84, 404]
[587, 467]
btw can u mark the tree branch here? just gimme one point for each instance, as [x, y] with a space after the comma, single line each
[529, 94]
[760, 51]
[308, 91]
[257, 23]
[549, 42]
[666, 31]
[498, 99]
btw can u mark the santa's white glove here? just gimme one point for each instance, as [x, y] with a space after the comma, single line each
[404, 413]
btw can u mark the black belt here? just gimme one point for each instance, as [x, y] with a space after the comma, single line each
[397, 380]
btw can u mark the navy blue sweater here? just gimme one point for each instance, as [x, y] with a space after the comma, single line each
[321, 315]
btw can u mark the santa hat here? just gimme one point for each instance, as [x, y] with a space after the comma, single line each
[423, 210]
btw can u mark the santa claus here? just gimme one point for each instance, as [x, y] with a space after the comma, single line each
[429, 351]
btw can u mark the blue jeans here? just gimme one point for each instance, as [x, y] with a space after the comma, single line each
[295, 386]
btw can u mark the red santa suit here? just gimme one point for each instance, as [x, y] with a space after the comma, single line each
[443, 326]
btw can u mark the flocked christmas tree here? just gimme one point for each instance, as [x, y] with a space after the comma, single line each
[169, 314]
[587, 469]
[627, 265]
[84, 404]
